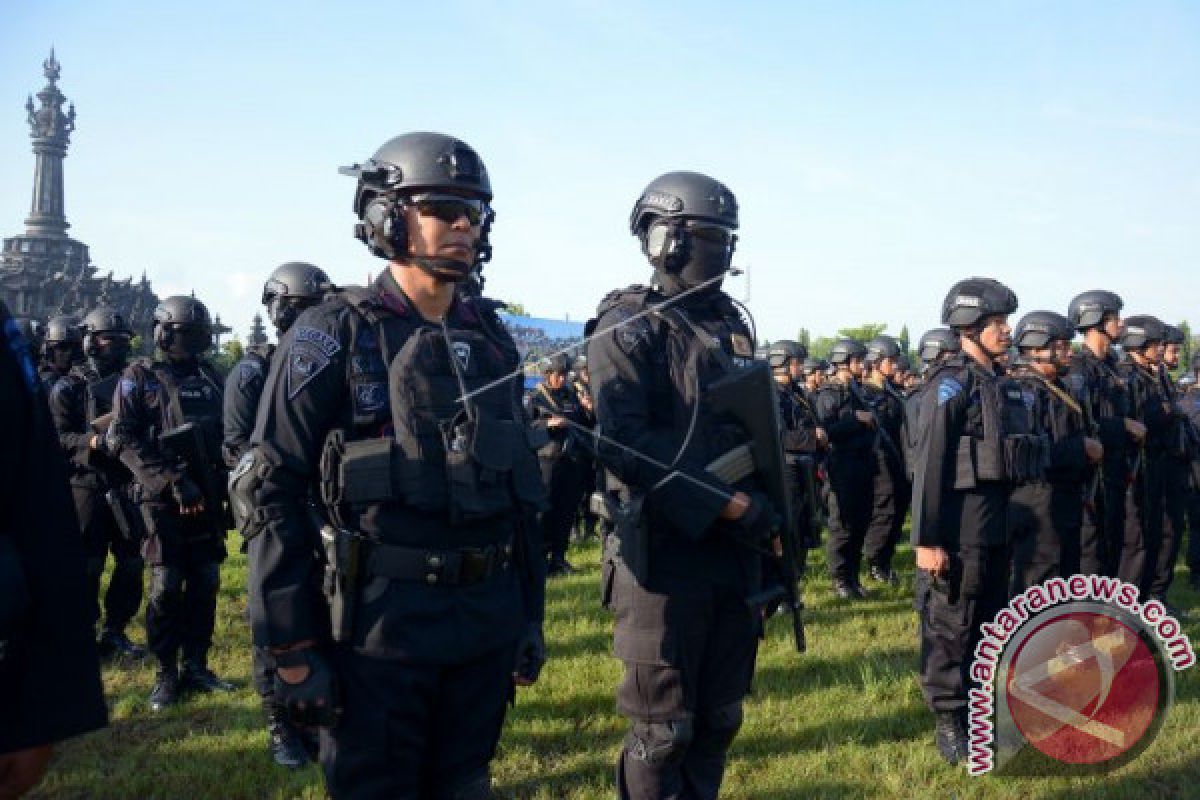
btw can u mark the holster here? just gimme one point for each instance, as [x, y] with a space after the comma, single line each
[129, 521]
[344, 559]
[633, 535]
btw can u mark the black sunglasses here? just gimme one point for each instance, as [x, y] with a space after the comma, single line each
[450, 208]
[717, 234]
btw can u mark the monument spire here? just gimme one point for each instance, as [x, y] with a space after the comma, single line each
[50, 130]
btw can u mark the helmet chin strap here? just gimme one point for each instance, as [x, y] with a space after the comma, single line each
[444, 269]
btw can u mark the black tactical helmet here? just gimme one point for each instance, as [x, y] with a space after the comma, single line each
[1196, 361]
[1174, 335]
[103, 320]
[182, 326]
[579, 364]
[904, 363]
[291, 288]
[937, 342]
[812, 365]
[1142, 330]
[62, 330]
[411, 164]
[296, 279]
[846, 349]
[969, 301]
[785, 350]
[1087, 310]
[556, 363]
[684, 195]
[882, 347]
[1038, 329]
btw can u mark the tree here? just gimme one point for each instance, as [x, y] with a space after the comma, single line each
[863, 333]
[804, 338]
[228, 355]
[903, 339]
[516, 309]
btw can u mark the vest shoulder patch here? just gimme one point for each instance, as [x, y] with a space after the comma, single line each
[948, 389]
[311, 352]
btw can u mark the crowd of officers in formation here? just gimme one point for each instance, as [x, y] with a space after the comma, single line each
[402, 502]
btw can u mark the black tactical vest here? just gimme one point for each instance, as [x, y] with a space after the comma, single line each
[998, 442]
[415, 436]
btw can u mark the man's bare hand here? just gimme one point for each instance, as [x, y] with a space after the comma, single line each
[1135, 429]
[556, 422]
[866, 418]
[933, 559]
[1093, 450]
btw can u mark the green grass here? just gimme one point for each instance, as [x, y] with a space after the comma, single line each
[845, 720]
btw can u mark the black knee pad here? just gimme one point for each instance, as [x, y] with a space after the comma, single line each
[658, 743]
[719, 727]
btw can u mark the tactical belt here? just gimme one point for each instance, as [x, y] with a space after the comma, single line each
[444, 567]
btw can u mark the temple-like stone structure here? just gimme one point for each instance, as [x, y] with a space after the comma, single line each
[44, 271]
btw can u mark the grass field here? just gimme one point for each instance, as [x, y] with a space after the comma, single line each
[846, 720]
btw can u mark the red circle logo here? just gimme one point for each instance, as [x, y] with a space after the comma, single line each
[1083, 688]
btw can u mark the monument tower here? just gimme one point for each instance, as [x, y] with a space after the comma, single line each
[44, 271]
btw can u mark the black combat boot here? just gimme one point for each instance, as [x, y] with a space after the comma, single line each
[197, 675]
[115, 644]
[950, 736]
[884, 575]
[284, 741]
[844, 589]
[166, 689]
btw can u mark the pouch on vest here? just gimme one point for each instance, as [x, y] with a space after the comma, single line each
[479, 461]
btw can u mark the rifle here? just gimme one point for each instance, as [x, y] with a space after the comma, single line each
[881, 434]
[198, 453]
[1092, 428]
[749, 396]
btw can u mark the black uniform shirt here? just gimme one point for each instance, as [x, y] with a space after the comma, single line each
[1057, 416]
[649, 372]
[243, 389]
[1097, 384]
[331, 372]
[944, 516]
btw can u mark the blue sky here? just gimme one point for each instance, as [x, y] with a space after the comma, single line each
[879, 151]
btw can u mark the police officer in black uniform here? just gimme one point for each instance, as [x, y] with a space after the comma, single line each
[804, 442]
[291, 288]
[890, 491]
[167, 430]
[1189, 402]
[843, 412]
[62, 348]
[1097, 383]
[80, 405]
[555, 409]
[814, 370]
[975, 447]
[402, 403]
[49, 674]
[687, 543]
[1170, 467]
[1046, 516]
[1143, 341]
